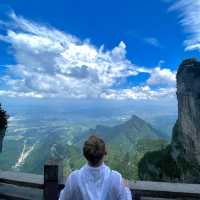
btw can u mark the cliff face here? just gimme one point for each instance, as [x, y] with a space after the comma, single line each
[2, 134]
[180, 161]
[186, 135]
[3, 126]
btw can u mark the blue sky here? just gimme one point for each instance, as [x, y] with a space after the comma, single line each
[95, 49]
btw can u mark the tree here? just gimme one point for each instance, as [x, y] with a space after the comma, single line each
[3, 125]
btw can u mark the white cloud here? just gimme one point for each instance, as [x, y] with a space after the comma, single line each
[189, 18]
[51, 63]
[21, 94]
[153, 41]
[162, 77]
[140, 92]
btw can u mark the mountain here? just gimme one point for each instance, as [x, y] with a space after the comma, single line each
[164, 123]
[127, 143]
[125, 135]
[180, 161]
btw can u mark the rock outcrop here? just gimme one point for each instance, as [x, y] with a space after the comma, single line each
[2, 134]
[180, 161]
[3, 126]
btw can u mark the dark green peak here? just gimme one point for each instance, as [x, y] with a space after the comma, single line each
[135, 120]
[134, 117]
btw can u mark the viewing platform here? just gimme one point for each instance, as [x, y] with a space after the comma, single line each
[25, 186]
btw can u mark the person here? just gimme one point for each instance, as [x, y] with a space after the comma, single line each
[95, 180]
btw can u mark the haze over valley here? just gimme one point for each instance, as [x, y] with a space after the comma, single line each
[40, 129]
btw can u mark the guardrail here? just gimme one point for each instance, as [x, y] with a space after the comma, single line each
[24, 186]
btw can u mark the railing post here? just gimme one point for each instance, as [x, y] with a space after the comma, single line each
[53, 175]
[136, 196]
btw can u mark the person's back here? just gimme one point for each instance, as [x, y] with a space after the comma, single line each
[95, 180]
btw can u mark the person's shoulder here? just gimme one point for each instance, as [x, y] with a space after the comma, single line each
[72, 176]
[116, 173]
[74, 173]
[77, 173]
[116, 176]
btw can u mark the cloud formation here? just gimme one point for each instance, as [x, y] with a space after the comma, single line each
[153, 41]
[162, 77]
[51, 63]
[189, 18]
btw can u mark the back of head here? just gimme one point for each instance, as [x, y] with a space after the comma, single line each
[94, 150]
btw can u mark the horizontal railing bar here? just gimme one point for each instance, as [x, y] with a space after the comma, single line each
[165, 187]
[22, 179]
[167, 195]
[11, 192]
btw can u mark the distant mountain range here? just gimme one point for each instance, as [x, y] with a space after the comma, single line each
[127, 142]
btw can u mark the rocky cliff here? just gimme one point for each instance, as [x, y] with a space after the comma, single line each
[180, 161]
[3, 126]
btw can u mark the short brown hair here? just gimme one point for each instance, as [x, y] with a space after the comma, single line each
[94, 149]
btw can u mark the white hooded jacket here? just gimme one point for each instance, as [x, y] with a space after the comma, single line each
[95, 183]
